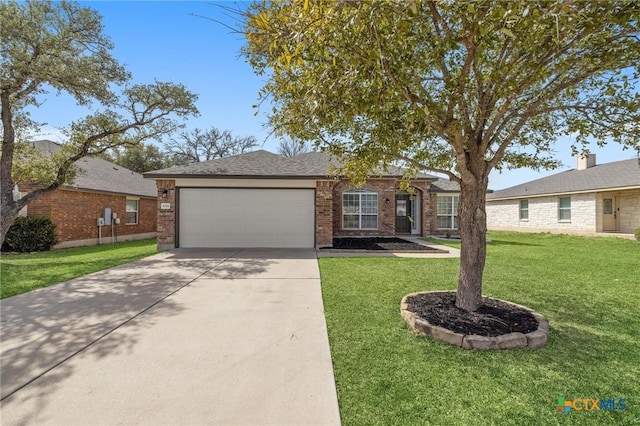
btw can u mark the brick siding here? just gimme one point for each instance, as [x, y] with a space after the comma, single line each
[75, 213]
[166, 218]
[324, 212]
[328, 210]
[386, 190]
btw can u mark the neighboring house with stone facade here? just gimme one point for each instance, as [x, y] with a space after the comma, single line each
[261, 199]
[593, 198]
[100, 187]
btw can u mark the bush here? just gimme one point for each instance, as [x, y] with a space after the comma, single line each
[29, 234]
[637, 232]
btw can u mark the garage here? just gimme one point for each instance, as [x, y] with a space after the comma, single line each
[245, 217]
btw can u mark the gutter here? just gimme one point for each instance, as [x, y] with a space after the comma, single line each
[304, 177]
[551, 194]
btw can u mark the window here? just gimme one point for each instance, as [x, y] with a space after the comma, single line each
[564, 209]
[360, 209]
[132, 212]
[447, 212]
[524, 209]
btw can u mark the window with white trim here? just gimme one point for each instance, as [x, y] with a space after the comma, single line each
[447, 211]
[564, 209]
[359, 209]
[524, 210]
[132, 212]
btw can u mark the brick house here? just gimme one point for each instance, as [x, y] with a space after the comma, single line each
[100, 188]
[591, 199]
[261, 199]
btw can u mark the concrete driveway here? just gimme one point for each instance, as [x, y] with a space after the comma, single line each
[233, 337]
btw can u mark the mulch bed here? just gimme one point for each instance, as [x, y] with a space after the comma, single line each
[376, 243]
[493, 318]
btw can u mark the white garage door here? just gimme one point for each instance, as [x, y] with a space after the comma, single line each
[224, 217]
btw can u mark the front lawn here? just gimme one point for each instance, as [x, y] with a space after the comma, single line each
[588, 288]
[20, 273]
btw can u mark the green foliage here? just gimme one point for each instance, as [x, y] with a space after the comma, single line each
[455, 87]
[60, 46]
[637, 234]
[57, 43]
[142, 158]
[30, 164]
[20, 273]
[385, 375]
[459, 87]
[29, 234]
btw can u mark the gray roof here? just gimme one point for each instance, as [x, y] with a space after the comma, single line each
[445, 185]
[96, 174]
[264, 164]
[257, 163]
[608, 176]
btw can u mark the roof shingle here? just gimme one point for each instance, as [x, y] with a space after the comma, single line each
[445, 185]
[264, 164]
[618, 174]
[96, 174]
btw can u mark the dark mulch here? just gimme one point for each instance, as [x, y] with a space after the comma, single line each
[493, 318]
[376, 243]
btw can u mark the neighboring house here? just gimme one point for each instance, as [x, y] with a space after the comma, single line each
[100, 188]
[590, 199]
[261, 199]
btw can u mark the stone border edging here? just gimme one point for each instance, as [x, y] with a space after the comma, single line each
[533, 340]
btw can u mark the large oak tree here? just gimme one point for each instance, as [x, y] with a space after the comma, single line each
[199, 145]
[455, 87]
[60, 46]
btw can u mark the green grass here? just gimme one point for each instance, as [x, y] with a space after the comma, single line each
[588, 288]
[450, 243]
[20, 273]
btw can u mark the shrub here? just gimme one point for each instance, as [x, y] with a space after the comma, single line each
[31, 234]
[637, 232]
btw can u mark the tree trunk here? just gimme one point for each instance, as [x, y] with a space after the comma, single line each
[472, 226]
[8, 208]
[7, 216]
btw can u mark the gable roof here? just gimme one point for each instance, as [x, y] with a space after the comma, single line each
[265, 165]
[96, 174]
[608, 176]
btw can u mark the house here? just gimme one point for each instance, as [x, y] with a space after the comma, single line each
[122, 198]
[261, 199]
[593, 198]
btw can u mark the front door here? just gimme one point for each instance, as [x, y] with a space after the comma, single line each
[609, 214]
[403, 213]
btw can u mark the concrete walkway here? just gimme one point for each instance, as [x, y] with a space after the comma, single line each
[233, 337]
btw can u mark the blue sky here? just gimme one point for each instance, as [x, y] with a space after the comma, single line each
[165, 41]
